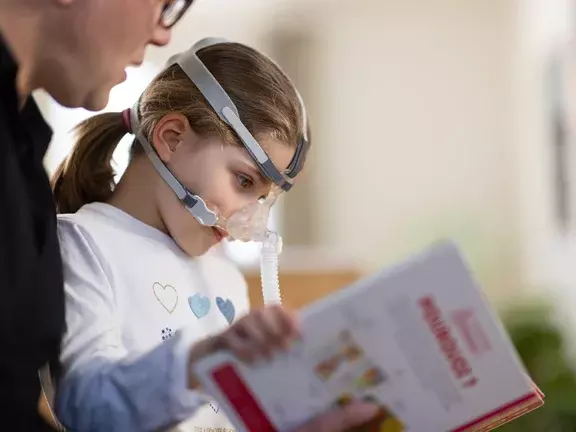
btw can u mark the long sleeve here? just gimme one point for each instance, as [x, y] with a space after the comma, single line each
[102, 388]
[31, 294]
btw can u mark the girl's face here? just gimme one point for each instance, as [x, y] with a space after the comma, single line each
[224, 176]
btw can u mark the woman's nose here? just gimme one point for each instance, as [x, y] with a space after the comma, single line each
[161, 36]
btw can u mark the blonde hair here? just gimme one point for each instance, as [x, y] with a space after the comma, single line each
[266, 100]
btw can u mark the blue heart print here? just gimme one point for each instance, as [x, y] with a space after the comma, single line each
[226, 308]
[199, 305]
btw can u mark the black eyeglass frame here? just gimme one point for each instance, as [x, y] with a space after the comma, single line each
[179, 14]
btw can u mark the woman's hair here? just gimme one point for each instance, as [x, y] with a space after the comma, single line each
[266, 100]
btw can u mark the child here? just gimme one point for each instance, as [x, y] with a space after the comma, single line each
[136, 266]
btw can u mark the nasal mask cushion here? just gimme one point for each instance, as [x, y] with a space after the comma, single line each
[250, 223]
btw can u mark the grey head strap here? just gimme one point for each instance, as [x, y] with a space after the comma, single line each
[297, 162]
[193, 203]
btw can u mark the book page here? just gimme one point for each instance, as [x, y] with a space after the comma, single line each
[419, 340]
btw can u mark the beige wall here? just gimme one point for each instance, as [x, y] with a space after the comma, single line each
[428, 121]
[439, 111]
[414, 131]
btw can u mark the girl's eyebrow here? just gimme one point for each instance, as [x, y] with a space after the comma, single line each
[254, 169]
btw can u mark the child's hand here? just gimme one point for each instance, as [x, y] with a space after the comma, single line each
[256, 335]
[260, 333]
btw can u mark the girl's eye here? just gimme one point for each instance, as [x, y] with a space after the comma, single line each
[244, 182]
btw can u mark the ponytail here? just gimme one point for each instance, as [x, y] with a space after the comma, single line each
[86, 175]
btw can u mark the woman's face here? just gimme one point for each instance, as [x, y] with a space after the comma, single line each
[224, 176]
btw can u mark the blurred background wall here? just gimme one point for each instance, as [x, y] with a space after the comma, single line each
[431, 119]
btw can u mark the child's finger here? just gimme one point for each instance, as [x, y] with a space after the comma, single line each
[240, 346]
[267, 321]
[285, 324]
[249, 337]
[274, 322]
[253, 330]
[261, 333]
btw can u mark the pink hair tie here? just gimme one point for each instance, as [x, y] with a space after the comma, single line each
[126, 120]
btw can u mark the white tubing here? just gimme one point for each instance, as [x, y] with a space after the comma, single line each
[271, 247]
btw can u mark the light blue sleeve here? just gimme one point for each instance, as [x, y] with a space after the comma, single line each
[102, 389]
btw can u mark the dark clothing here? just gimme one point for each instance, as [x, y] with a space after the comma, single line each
[31, 285]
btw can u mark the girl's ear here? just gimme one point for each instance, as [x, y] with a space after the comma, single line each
[168, 135]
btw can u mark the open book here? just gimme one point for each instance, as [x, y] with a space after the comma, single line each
[419, 339]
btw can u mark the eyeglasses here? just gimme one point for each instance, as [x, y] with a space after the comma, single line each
[173, 11]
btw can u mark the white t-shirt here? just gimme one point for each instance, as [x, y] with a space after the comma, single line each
[129, 291]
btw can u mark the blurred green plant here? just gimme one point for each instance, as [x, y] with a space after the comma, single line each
[542, 348]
